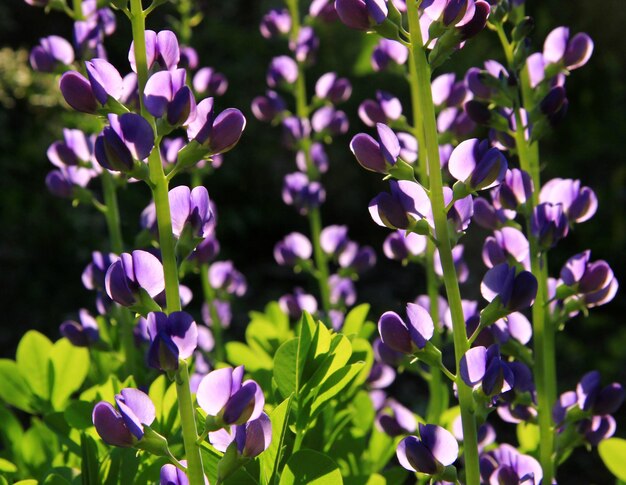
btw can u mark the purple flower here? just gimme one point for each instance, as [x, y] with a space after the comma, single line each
[129, 137]
[252, 438]
[395, 420]
[293, 304]
[579, 203]
[595, 282]
[81, 334]
[224, 276]
[105, 80]
[408, 147]
[51, 52]
[207, 250]
[294, 130]
[505, 243]
[408, 202]
[223, 310]
[598, 428]
[477, 165]
[591, 396]
[275, 22]
[172, 337]
[549, 224]
[167, 94]
[455, 121]
[209, 82]
[357, 258]
[571, 53]
[449, 92]
[318, 157]
[282, 69]
[480, 83]
[385, 108]
[400, 245]
[516, 292]
[64, 181]
[386, 52]
[486, 433]
[124, 426]
[161, 48]
[299, 192]
[376, 156]
[293, 248]
[323, 9]
[224, 395]
[489, 217]
[306, 45]
[381, 376]
[515, 190]
[77, 92]
[188, 57]
[385, 354]
[217, 133]
[133, 274]
[328, 120]
[361, 14]
[513, 326]
[399, 336]
[449, 12]
[76, 147]
[342, 291]
[93, 276]
[267, 108]
[435, 449]
[192, 209]
[332, 88]
[507, 465]
[478, 21]
[484, 368]
[334, 239]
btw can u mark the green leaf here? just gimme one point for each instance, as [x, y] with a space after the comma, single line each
[380, 450]
[14, 389]
[333, 355]
[70, 366]
[363, 412]
[285, 367]
[308, 467]
[78, 414]
[11, 430]
[334, 385]
[89, 463]
[6, 466]
[33, 353]
[210, 460]
[613, 454]
[55, 479]
[270, 459]
[238, 353]
[362, 352]
[26, 482]
[355, 319]
[528, 437]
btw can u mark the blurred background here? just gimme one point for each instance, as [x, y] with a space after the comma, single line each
[45, 243]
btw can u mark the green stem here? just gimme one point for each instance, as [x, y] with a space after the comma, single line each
[159, 186]
[314, 216]
[78, 10]
[421, 79]
[184, 9]
[437, 391]
[543, 330]
[188, 424]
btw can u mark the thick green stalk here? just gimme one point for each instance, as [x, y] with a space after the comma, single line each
[421, 79]
[314, 215]
[436, 402]
[159, 186]
[543, 329]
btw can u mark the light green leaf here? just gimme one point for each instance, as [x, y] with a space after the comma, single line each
[380, 450]
[355, 319]
[308, 467]
[55, 479]
[285, 367]
[238, 353]
[70, 366]
[334, 385]
[528, 437]
[14, 389]
[363, 413]
[89, 462]
[78, 414]
[6, 466]
[11, 430]
[26, 482]
[32, 356]
[270, 459]
[334, 354]
[362, 352]
[613, 454]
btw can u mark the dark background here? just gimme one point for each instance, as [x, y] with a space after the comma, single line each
[45, 243]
